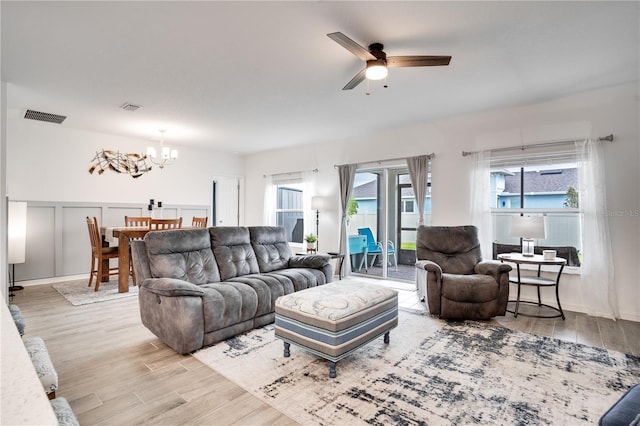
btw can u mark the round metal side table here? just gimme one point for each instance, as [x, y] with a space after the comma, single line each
[537, 281]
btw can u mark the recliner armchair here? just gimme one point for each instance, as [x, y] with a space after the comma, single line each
[452, 278]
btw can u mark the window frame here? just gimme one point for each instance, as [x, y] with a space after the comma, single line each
[543, 211]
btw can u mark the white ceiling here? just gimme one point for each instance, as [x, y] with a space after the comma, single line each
[248, 76]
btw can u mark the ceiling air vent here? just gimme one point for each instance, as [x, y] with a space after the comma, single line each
[128, 106]
[44, 116]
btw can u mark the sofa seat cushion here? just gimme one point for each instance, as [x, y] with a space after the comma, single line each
[233, 251]
[471, 288]
[228, 303]
[302, 278]
[271, 247]
[184, 254]
[268, 288]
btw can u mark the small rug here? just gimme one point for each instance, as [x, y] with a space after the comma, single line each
[77, 292]
[433, 372]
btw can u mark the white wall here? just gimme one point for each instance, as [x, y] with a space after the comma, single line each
[47, 165]
[598, 113]
[50, 162]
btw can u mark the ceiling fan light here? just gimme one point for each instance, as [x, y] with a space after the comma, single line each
[376, 70]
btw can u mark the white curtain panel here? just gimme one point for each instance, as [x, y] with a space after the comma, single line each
[596, 269]
[418, 171]
[481, 201]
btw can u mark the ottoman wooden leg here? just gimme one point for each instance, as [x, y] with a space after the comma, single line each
[332, 369]
[386, 337]
[287, 352]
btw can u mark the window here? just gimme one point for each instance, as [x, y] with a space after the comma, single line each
[289, 211]
[408, 206]
[547, 190]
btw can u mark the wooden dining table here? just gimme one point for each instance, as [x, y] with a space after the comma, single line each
[124, 234]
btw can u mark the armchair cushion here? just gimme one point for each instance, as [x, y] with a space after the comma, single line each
[473, 288]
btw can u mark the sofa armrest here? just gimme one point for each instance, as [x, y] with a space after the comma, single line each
[171, 287]
[316, 261]
[491, 267]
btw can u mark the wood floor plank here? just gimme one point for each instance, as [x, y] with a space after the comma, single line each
[631, 331]
[567, 329]
[588, 332]
[612, 335]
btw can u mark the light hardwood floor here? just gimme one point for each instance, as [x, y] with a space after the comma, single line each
[114, 371]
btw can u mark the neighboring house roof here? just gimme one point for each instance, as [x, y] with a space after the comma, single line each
[542, 181]
[368, 190]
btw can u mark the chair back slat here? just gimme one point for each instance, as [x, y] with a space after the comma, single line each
[199, 222]
[136, 220]
[162, 224]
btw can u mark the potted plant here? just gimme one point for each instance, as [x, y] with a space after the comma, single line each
[311, 241]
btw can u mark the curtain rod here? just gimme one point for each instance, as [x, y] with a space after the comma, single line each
[538, 145]
[429, 156]
[291, 173]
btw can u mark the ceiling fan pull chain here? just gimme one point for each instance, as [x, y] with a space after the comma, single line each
[367, 92]
[385, 82]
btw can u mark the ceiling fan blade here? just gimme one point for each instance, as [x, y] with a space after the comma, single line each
[351, 46]
[359, 78]
[417, 61]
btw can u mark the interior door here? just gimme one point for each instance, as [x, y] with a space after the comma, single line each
[226, 201]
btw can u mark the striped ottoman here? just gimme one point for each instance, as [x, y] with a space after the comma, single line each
[335, 319]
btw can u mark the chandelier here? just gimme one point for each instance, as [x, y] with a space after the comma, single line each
[167, 155]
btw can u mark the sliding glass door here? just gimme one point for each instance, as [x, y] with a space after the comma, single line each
[384, 211]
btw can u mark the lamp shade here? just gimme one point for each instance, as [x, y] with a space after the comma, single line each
[317, 203]
[527, 227]
[17, 232]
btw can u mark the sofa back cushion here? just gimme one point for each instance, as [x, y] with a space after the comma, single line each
[184, 254]
[232, 249]
[456, 249]
[271, 247]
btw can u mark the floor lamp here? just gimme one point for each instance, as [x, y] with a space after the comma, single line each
[16, 239]
[317, 203]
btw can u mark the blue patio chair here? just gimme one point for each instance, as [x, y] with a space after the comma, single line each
[375, 247]
[358, 245]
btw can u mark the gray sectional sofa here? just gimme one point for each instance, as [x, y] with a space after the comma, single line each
[201, 286]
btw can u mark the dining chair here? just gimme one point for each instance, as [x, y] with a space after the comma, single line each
[199, 222]
[100, 253]
[375, 247]
[136, 220]
[162, 224]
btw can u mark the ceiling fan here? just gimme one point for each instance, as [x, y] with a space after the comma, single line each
[377, 61]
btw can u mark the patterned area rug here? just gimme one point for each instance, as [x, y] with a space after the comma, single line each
[78, 293]
[432, 372]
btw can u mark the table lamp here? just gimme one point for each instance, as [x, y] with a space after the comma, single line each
[528, 228]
